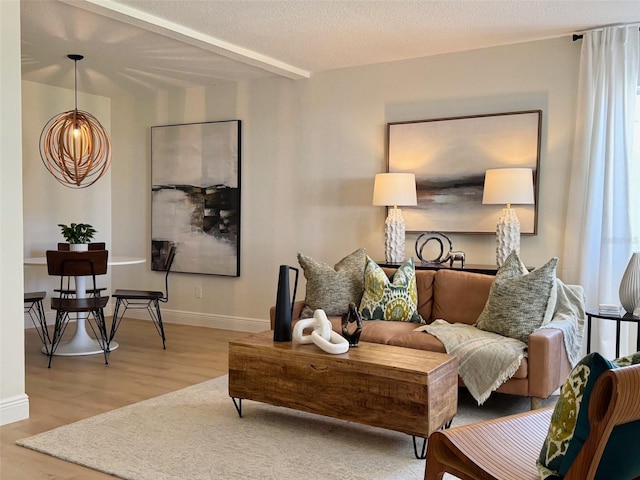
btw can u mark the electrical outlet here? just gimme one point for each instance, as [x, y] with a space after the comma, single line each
[198, 291]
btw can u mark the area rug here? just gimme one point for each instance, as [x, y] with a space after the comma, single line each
[196, 434]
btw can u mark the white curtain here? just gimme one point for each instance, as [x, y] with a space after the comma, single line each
[603, 213]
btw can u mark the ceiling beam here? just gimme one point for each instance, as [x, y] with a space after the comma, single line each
[140, 19]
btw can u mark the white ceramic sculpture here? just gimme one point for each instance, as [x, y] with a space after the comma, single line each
[322, 335]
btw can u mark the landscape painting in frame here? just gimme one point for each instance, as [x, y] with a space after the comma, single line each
[449, 157]
[195, 197]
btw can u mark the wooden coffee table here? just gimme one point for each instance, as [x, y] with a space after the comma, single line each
[401, 389]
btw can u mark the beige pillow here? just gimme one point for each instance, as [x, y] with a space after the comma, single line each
[519, 303]
[333, 288]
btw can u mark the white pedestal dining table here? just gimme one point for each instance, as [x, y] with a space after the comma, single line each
[81, 343]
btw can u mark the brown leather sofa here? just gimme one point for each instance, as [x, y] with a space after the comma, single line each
[457, 296]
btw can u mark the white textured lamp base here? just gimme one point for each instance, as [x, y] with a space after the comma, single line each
[507, 235]
[394, 236]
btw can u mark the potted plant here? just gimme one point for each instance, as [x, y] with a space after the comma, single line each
[78, 235]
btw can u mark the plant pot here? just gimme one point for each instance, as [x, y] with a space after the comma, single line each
[78, 247]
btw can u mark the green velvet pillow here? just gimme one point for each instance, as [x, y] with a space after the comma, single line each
[569, 426]
[394, 299]
[333, 288]
[519, 302]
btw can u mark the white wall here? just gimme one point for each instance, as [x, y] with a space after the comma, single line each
[47, 202]
[14, 403]
[309, 154]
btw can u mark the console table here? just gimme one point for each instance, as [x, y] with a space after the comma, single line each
[627, 317]
[486, 269]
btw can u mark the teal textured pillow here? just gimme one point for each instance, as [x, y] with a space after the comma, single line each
[333, 288]
[519, 302]
[569, 426]
[394, 299]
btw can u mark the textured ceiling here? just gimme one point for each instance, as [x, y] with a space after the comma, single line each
[143, 44]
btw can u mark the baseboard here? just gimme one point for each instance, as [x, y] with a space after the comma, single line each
[181, 317]
[14, 409]
[223, 322]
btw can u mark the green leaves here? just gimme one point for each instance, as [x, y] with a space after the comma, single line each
[77, 232]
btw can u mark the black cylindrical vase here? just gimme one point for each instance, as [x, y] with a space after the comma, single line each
[284, 305]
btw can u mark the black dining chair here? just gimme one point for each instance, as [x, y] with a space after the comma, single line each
[148, 299]
[71, 291]
[74, 264]
[35, 309]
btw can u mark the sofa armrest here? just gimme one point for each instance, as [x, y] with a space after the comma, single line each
[548, 362]
[297, 311]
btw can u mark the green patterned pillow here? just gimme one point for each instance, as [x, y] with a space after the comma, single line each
[333, 288]
[569, 426]
[390, 299]
[519, 302]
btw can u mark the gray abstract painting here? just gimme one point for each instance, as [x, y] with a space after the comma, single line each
[195, 203]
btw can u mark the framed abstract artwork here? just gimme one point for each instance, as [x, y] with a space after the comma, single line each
[195, 196]
[449, 157]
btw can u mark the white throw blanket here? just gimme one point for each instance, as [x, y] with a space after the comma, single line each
[569, 316]
[486, 360]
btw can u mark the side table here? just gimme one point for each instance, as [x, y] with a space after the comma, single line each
[627, 317]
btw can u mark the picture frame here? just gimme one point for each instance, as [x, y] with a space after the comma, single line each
[449, 157]
[195, 196]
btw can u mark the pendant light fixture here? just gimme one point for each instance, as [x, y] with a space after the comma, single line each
[74, 146]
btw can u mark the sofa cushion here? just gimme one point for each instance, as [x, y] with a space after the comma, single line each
[519, 303]
[459, 297]
[381, 331]
[375, 331]
[333, 288]
[392, 299]
[424, 286]
[569, 426]
[523, 369]
[418, 340]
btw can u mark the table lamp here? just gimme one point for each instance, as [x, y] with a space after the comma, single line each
[393, 190]
[508, 186]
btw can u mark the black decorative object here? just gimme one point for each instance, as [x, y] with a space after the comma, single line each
[450, 256]
[352, 316]
[456, 255]
[284, 305]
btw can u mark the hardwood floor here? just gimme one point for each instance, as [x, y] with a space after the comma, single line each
[80, 387]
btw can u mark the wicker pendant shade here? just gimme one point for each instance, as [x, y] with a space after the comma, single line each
[74, 146]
